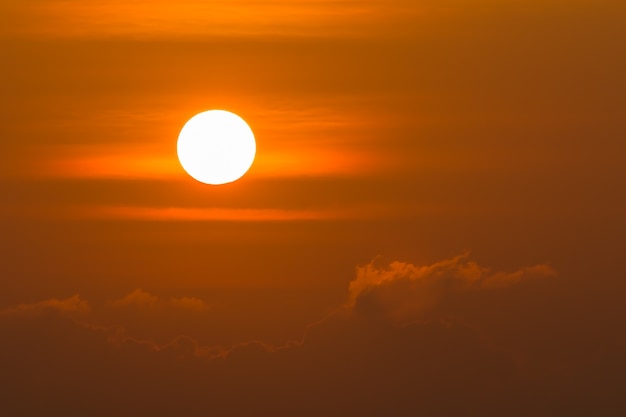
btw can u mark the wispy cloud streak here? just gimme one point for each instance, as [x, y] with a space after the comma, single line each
[165, 18]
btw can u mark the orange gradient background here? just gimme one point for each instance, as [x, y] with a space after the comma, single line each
[433, 225]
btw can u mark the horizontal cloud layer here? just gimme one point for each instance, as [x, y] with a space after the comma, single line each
[142, 18]
[355, 361]
[70, 306]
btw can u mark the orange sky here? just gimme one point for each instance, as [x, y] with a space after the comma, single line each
[433, 225]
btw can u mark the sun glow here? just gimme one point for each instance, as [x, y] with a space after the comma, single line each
[216, 147]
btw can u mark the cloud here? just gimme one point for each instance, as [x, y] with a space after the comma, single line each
[205, 214]
[186, 347]
[404, 292]
[398, 293]
[189, 303]
[73, 305]
[138, 298]
[350, 363]
[190, 18]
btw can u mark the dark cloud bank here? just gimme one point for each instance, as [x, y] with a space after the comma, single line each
[447, 339]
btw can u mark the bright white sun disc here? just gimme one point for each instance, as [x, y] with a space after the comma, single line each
[216, 147]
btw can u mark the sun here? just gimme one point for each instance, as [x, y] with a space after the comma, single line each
[216, 147]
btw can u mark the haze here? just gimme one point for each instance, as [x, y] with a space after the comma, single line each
[434, 223]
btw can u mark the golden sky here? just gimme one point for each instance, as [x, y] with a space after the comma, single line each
[433, 225]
